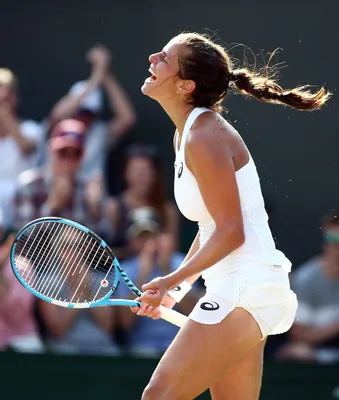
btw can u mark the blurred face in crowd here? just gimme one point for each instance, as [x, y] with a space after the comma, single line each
[331, 241]
[66, 146]
[67, 160]
[138, 242]
[8, 96]
[8, 88]
[140, 174]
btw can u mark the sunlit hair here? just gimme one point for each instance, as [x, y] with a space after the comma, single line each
[8, 78]
[211, 68]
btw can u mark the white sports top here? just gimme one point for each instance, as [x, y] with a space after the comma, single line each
[259, 245]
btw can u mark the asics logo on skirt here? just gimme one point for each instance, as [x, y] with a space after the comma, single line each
[209, 306]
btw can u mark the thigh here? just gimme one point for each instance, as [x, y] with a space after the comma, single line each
[200, 354]
[242, 381]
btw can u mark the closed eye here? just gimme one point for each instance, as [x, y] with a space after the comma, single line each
[163, 56]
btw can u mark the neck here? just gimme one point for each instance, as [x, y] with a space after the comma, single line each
[135, 196]
[178, 111]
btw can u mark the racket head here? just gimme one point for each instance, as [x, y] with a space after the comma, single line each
[64, 263]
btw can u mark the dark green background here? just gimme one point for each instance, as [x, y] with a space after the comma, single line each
[89, 378]
[296, 153]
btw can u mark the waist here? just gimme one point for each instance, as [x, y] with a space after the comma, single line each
[258, 249]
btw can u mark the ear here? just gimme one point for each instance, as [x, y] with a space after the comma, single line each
[185, 87]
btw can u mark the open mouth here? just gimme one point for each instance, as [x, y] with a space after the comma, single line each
[152, 78]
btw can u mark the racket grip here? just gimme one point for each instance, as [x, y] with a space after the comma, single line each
[172, 316]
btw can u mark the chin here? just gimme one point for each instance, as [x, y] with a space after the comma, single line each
[146, 90]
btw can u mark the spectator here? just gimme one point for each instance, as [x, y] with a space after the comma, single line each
[18, 329]
[18, 142]
[57, 189]
[79, 331]
[154, 255]
[315, 333]
[85, 103]
[144, 188]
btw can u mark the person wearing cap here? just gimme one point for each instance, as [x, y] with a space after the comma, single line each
[85, 101]
[153, 254]
[57, 189]
[19, 140]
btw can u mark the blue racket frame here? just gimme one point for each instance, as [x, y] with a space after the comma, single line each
[105, 301]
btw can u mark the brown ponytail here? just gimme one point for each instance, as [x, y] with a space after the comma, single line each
[211, 68]
[268, 91]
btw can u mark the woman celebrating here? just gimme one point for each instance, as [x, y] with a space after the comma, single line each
[248, 295]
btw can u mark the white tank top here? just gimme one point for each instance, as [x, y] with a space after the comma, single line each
[259, 245]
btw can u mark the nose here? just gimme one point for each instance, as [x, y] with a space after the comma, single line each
[153, 58]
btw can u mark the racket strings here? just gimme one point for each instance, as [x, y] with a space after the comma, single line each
[64, 263]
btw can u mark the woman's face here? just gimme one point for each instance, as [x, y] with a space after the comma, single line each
[164, 69]
[140, 174]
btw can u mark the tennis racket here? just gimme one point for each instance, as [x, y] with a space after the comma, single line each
[65, 263]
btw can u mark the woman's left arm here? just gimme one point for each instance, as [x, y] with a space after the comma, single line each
[210, 160]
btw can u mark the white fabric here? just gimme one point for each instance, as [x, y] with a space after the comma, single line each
[261, 290]
[93, 101]
[13, 162]
[254, 276]
[179, 292]
[95, 149]
[259, 245]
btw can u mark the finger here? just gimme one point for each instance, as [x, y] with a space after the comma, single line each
[156, 314]
[149, 296]
[146, 311]
[134, 309]
[148, 286]
[152, 301]
[152, 312]
[142, 308]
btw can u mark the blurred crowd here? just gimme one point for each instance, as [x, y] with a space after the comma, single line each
[57, 168]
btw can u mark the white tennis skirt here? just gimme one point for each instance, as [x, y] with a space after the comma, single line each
[262, 290]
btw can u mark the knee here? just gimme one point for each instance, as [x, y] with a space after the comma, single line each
[152, 391]
[160, 388]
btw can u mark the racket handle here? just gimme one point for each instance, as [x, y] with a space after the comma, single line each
[172, 316]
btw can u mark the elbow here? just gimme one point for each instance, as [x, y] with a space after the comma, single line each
[234, 237]
[130, 121]
[240, 237]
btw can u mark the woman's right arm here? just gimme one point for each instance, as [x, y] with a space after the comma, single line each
[193, 249]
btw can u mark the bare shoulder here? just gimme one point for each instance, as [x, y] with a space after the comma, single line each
[213, 136]
[210, 131]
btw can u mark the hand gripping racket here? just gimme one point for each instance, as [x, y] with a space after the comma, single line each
[65, 263]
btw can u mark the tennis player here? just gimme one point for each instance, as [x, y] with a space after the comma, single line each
[248, 295]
